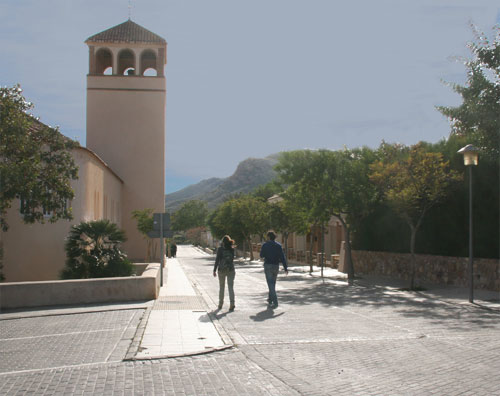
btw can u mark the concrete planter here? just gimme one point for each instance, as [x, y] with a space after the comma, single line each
[82, 291]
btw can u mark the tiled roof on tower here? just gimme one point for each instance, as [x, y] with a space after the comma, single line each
[126, 32]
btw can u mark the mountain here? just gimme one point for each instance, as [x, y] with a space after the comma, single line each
[249, 174]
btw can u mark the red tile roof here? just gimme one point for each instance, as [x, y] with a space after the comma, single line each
[126, 32]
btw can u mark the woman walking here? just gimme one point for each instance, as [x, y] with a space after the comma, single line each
[225, 266]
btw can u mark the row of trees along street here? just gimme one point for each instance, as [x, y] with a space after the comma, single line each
[394, 198]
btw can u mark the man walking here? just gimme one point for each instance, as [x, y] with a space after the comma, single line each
[272, 253]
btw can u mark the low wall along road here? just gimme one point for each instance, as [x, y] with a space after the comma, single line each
[82, 291]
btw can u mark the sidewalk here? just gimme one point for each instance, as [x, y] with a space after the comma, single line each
[178, 323]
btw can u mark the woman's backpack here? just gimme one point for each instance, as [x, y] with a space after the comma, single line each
[226, 261]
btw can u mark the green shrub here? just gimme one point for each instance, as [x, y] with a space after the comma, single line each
[93, 251]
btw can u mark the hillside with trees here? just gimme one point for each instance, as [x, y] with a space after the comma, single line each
[250, 174]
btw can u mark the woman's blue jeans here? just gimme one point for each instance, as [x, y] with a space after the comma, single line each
[271, 271]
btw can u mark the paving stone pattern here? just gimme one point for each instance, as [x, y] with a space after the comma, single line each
[61, 340]
[226, 373]
[327, 338]
[381, 367]
[324, 339]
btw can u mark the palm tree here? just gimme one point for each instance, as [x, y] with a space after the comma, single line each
[93, 251]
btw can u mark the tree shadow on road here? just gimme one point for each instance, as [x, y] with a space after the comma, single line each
[368, 299]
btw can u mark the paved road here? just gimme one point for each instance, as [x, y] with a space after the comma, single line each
[324, 339]
[327, 338]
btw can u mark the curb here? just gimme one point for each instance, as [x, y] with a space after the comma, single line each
[139, 332]
[197, 353]
[72, 310]
[208, 301]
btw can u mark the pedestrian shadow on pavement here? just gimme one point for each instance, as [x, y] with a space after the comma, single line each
[265, 315]
[217, 314]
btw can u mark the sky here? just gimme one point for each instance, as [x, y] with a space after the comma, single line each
[256, 77]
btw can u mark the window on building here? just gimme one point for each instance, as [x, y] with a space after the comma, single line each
[25, 206]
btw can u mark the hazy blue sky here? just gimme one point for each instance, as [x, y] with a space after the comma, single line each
[252, 78]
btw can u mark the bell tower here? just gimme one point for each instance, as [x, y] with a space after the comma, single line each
[126, 99]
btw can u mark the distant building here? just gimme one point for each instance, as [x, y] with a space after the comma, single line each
[123, 167]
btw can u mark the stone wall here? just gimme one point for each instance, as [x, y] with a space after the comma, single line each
[433, 269]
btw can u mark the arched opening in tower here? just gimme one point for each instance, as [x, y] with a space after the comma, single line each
[104, 61]
[126, 62]
[148, 63]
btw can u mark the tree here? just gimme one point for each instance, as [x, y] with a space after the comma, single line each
[412, 180]
[434, 236]
[478, 117]
[331, 183]
[193, 235]
[36, 165]
[304, 172]
[190, 215]
[352, 193]
[266, 191]
[93, 251]
[286, 218]
[250, 216]
[241, 218]
[144, 220]
[215, 223]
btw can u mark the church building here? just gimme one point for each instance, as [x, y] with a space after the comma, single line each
[122, 169]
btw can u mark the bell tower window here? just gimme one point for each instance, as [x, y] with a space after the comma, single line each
[126, 62]
[104, 61]
[148, 63]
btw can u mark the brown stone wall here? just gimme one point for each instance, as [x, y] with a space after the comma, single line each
[434, 269]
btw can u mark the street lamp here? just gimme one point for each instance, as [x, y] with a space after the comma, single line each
[470, 154]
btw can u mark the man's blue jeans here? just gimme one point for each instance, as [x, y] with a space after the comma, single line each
[271, 271]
